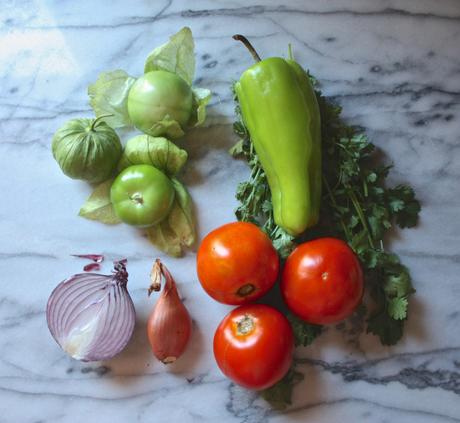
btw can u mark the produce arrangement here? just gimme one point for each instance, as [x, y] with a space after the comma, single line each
[92, 316]
[138, 184]
[343, 248]
[311, 226]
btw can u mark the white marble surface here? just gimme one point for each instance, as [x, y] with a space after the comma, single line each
[395, 68]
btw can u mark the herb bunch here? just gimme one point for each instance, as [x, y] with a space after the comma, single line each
[356, 207]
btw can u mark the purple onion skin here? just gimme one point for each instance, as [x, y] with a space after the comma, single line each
[92, 267]
[97, 258]
[92, 316]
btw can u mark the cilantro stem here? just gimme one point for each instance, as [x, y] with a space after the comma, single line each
[361, 216]
[365, 188]
[334, 203]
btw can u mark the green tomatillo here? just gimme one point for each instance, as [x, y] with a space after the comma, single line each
[160, 103]
[142, 195]
[87, 149]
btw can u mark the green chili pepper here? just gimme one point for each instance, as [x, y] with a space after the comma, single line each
[280, 110]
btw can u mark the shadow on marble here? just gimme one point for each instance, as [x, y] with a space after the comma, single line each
[188, 362]
[416, 327]
[134, 358]
[212, 141]
[137, 358]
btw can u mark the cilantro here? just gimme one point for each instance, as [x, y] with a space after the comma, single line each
[357, 207]
[304, 333]
[403, 205]
[387, 329]
[279, 395]
[397, 308]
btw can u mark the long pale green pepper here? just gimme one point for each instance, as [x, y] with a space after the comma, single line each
[280, 110]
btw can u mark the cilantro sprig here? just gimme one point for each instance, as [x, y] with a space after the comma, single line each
[357, 207]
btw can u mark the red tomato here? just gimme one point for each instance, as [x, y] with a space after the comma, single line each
[322, 281]
[253, 346]
[237, 263]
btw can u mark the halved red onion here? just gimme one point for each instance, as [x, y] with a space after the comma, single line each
[92, 316]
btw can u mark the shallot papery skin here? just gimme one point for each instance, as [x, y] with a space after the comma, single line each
[169, 326]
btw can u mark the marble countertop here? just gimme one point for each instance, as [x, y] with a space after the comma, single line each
[393, 65]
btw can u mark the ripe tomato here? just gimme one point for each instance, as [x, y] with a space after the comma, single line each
[253, 346]
[322, 281]
[237, 263]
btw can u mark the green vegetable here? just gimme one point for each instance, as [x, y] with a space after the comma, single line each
[279, 395]
[99, 207]
[87, 149]
[142, 195]
[160, 103]
[304, 333]
[356, 206]
[201, 97]
[176, 56]
[288, 145]
[156, 151]
[178, 229]
[175, 232]
[109, 96]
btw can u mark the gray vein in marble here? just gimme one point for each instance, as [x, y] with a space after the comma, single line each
[26, 255]
[307, 45]
[410, 411]
[245, 406]
[418, 377]
[249, 11]
[454, 258]
[415, 90]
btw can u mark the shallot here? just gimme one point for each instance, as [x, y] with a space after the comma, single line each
[169, 325]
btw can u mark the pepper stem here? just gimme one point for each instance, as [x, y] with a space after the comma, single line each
[248, 45]
[93, 125]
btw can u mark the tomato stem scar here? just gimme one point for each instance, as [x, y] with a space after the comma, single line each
[245, 325]
[245, 290]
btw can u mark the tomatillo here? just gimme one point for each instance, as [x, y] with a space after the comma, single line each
[159, 97]
[142, 195]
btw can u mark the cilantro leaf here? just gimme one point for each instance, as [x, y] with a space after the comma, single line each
[386, 328]
[403, 206]
[304, 333]
[279, 395]
[237, 149]
[397, 308]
